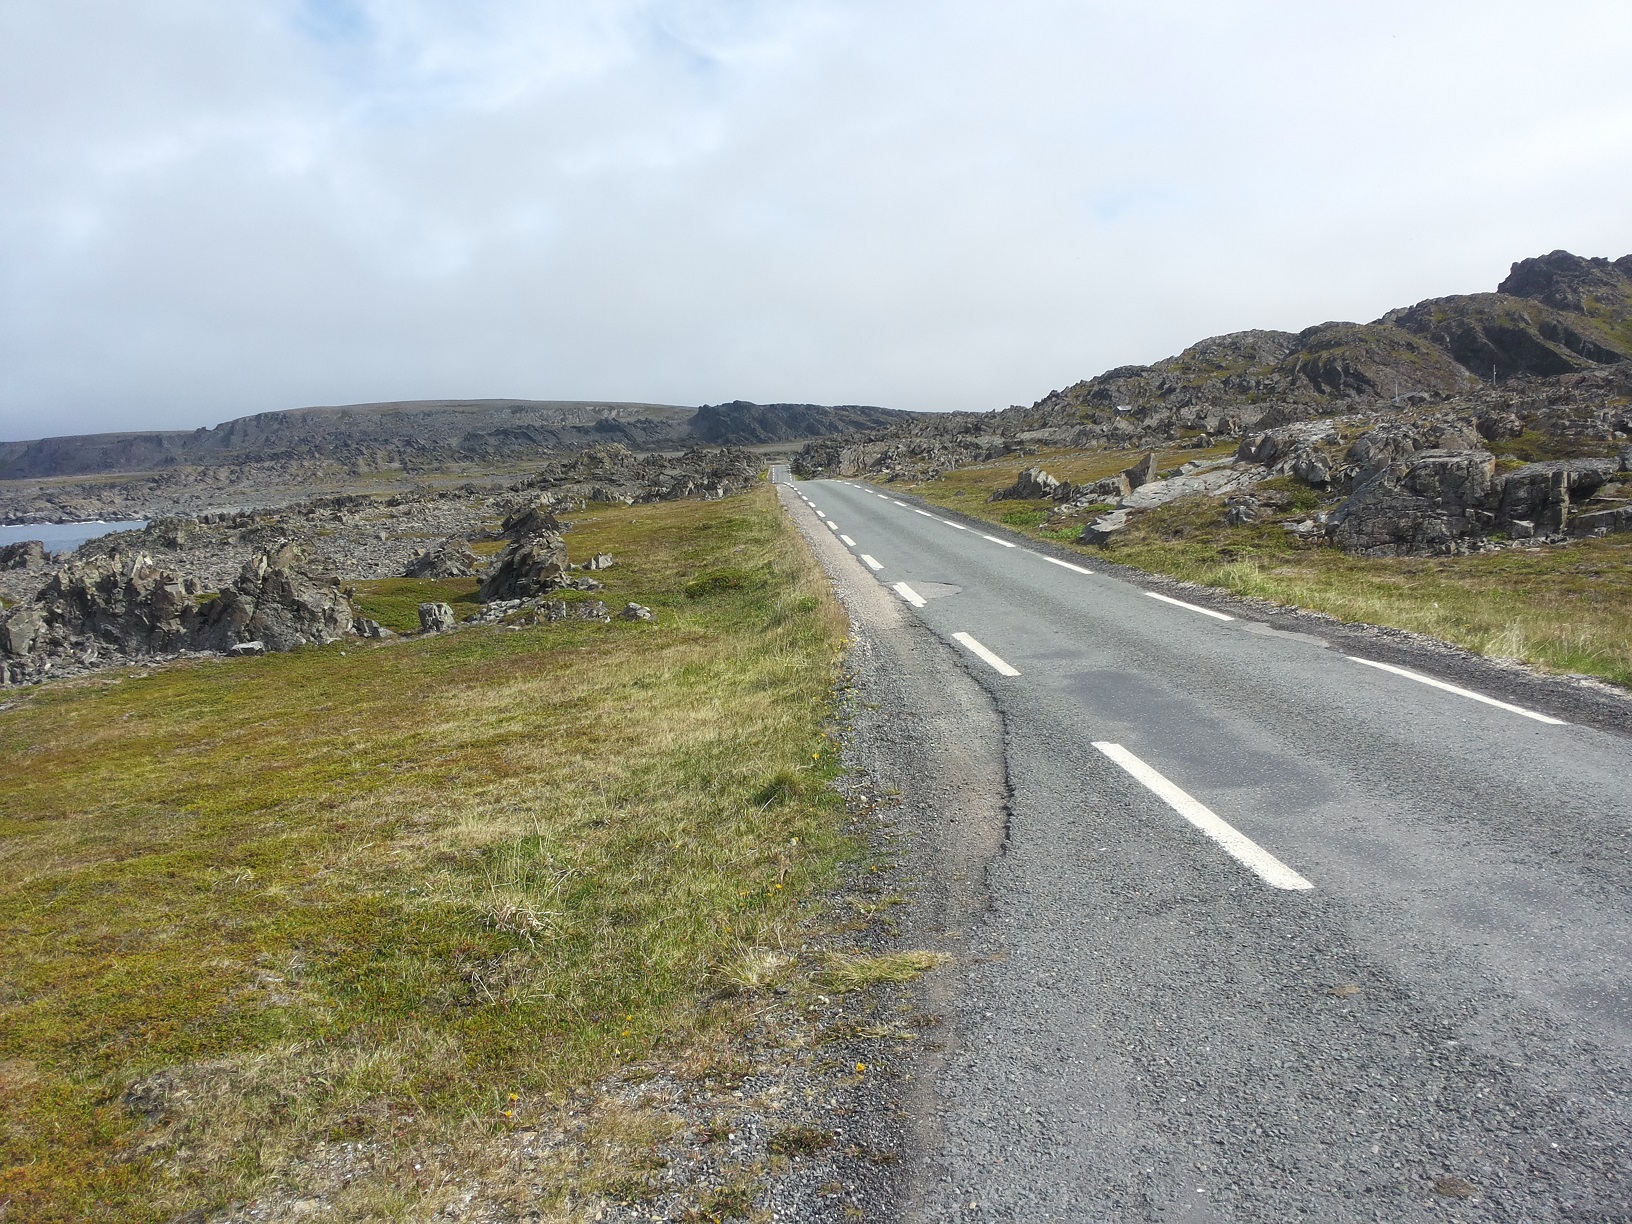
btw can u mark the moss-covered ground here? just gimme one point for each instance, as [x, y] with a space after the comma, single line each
[403, 895]
[1566, 608]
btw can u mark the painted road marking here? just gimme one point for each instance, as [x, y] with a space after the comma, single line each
[819, 514]
[1238, 845]
[831, 525]
[950, 523]
[871, 564]
[1076, 569]
[925, 513]
[980, 652]
[902, 504]
[1179, 603]
[995, 540]
[1460, 692]
[908, 594]
[848, 541]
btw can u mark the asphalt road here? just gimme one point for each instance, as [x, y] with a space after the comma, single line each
[1275, 933]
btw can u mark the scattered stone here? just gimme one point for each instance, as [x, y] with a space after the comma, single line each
[635, 612]
[239, 649]
[436, 618]
[1103, 528]
[600, 561]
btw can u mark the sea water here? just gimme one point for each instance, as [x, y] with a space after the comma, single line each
[64, 537]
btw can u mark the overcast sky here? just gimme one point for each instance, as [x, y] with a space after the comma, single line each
[216, 207]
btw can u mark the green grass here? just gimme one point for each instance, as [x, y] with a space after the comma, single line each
[405, 895]
[394, 602]
[1561, 608]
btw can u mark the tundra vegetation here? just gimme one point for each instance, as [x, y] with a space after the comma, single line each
[404, 898]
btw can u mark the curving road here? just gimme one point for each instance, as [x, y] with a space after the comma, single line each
[1292, 920]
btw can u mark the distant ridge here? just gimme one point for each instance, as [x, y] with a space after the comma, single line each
[423, 432]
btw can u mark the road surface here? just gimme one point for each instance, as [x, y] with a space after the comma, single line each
[1287, 924]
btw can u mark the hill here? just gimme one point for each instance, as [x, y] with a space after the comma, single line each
[427, 432]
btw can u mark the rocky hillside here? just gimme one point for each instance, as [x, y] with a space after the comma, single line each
[1550, 349]
[428, 433]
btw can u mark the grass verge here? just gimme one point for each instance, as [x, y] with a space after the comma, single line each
[402, 898]
[1562, 608]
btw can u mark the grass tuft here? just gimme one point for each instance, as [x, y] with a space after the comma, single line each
[844, 972]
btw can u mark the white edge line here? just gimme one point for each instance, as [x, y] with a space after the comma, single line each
[950, 523]
[908, 594]
[996, 664]
[995, 540]
[819, 514]
[871, 564]
[1460, 692]
[925, 513]
[1065, 564]
[1236, 844]
[1179, 603]
[902, 504]
[849, 543]
[831, 525]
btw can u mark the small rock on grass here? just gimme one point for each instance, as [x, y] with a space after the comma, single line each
[635, 612]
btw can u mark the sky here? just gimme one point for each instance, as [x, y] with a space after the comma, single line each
[210, 208]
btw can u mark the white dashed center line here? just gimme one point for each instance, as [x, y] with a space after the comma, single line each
[995, 540]
[986, 656]
[871, 564]
[908, 594]
[1076, 569]
[1460, 692]
[1179, 603]
[848, 541]
[1236, 844]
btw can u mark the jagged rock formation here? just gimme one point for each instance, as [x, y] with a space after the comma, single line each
[527, 567]
[123, 608]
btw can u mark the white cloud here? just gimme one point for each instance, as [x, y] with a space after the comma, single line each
[211, 207]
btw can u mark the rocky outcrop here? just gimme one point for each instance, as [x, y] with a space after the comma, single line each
[449, 559]
[1442, 501]
[23, 555]
[120, 608]
[527, 567]
[1426, 503]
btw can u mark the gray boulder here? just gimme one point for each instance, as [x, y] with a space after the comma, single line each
[635, 612]
[1272, 446]
[436, 618]
[600, 561]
